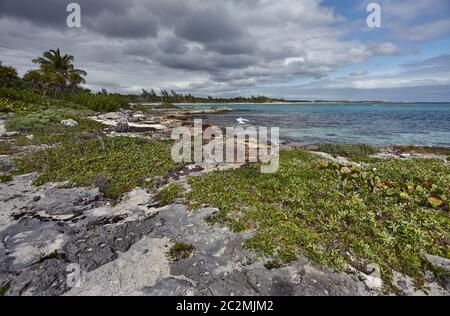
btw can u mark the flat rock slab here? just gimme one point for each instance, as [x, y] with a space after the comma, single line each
[130, 273]
[218, 266]
[9, 134]
[26, 242]
[67, 201]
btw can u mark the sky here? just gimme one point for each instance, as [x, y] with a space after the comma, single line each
[294, 49]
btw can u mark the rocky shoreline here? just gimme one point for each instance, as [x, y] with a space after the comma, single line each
[122, 248]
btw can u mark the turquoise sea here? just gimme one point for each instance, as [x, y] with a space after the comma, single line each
[370, 123]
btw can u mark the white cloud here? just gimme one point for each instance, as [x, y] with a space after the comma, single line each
[193, 45]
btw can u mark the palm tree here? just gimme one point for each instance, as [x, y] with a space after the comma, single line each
[76, 78]
[35, 78]
[52, 60]
[8, 75]
[61, 66]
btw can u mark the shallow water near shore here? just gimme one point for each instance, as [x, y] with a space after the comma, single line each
[370, 123]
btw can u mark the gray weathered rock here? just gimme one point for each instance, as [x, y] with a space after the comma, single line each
[113, 116]
[10, 134]
[46, 279]
[134, 119]
[122, 127]
[69, 123]
[94, 248]
[439, 262]
[67, 201]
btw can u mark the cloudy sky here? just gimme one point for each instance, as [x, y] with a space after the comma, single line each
[302, 49]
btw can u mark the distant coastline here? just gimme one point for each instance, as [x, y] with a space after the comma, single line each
[293, 102]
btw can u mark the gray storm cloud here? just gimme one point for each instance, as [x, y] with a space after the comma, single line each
[225, 46]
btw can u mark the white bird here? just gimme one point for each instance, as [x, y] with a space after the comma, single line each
[242, 120]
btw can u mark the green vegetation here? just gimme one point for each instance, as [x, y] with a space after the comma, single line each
[6, 178]
[25, 101]
[352, 151]
[124, 162]
[40, 121]
[56, 72]
[388, 212]
[46, 127]
[99, 102]
[180, 251]
[435, 150]
[167, 97]
[8, 105]
[169, 194]
[4, 289]
[8, 76]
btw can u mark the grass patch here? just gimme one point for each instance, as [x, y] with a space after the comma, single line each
[6, 178]
[124, 162]
[180, 251]
[333, 214]
[169, 194]
[48, 120]
[46, 127]
[356, 152]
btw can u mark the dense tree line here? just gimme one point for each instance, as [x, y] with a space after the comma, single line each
[165, 96]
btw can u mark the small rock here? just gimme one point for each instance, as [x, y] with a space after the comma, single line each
[113, 116]
[10, 134]
[373, 278]
[402, 284]
[122, 127]
[429, 276]
[439, 262]
[69, 123]
[134, 119]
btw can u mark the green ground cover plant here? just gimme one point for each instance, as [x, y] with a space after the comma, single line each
[388, 212]
[180, 251]
[46, 127]
[169, 194]
[353, 151]
[124, 162]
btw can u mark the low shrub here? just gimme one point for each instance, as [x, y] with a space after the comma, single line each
[348, 150]
[180, 251]
[99, 102]
[169, 194]
[6, 178]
